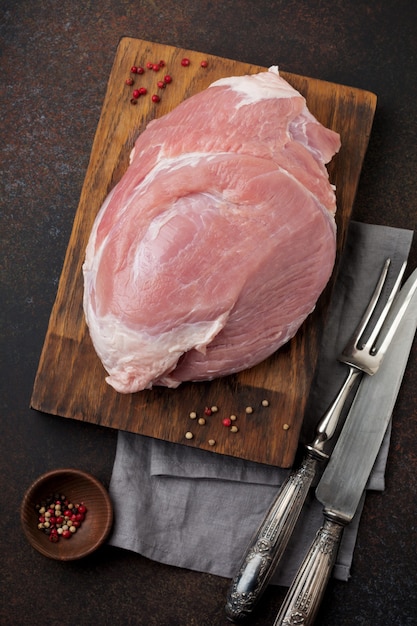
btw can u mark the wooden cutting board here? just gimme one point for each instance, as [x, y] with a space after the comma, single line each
[70, 378]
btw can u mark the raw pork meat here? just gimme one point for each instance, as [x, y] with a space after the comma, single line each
[215, 245]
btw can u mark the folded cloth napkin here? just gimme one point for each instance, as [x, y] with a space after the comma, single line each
[198, 510]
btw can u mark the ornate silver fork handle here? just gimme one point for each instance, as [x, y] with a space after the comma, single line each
[272, 537]
[269, 542]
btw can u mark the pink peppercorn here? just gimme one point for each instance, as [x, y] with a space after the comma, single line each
[142, 91]
[185, 62]
[136, 93]
[168, 79]
[55, 522]
[227, 422]
[204, 63]
[155, 98]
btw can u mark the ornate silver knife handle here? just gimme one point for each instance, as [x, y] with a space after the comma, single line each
[269, 542]
[303, 599]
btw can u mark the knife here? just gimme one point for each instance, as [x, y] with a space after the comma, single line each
[344, 479]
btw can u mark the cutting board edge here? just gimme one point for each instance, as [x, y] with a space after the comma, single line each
[370, 96]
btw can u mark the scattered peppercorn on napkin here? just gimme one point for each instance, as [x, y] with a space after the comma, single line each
[198, 510]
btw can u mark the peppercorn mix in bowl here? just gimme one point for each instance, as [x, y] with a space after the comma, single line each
[66, 514]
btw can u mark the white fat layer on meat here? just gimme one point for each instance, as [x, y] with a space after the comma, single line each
[256, 87]
[159, 354]
[181, 160]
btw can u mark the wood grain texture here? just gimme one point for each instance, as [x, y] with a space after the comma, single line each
[70, 378]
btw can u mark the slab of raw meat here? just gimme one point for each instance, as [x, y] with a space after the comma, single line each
[215, 245]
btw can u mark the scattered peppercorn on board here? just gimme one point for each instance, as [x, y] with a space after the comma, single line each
[266, 402]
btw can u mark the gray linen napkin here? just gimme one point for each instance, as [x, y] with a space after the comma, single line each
[197, 509]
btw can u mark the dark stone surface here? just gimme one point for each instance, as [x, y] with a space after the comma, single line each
[55, 61]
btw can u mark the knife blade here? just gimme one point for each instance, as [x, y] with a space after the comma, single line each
[346, 475]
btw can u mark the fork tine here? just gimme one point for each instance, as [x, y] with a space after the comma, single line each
[412, 280]
[364, 321]
[379, 323]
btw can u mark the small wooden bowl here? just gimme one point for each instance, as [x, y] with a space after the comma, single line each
[78, 487]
